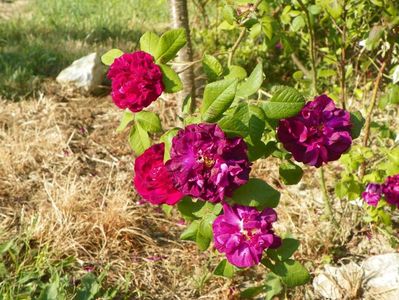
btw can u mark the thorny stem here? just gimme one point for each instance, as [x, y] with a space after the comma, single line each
[240, 37]
[312, 52]
[373, 102]
[328, 210]
[312, 47]
[343, 60]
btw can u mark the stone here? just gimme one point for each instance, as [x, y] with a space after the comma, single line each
[382, 276]
[86, 72]
[377, 277]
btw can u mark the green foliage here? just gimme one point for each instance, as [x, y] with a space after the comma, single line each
[170, 79]
[149, 43]
[225, 269]
[252, 84]
[212, 67]
[218, 96]
[256, 193]
[286, 102]
[290, 173]
[139, 139]
[169, 44]
[109, 57]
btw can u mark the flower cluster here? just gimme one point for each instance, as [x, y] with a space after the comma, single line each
[389, 190]
[206, 164]
[136, 81]
[320, 133]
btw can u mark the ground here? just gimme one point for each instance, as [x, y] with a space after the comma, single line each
[67, 206]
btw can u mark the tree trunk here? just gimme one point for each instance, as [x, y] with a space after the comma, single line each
[179, 14]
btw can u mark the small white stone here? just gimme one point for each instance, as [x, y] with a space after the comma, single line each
[86, 73]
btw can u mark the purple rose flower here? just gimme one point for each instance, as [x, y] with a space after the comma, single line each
[206, 164]
[136, 81]
[320, 132]
[243, 233]
[372, 194]
[390, 189]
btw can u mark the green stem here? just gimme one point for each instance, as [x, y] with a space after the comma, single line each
[327, 202]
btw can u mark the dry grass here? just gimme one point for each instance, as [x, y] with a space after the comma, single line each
[65, 176]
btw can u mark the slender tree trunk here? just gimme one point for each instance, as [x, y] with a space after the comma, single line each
[179, 14]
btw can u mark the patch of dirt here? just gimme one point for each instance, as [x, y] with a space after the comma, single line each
[10, 9]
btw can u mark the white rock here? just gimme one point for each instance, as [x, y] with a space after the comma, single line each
[339, 282]
[382, 276]
[376, 278]
[86, 72]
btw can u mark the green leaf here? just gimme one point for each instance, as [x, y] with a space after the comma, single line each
[357, 121]
[256, 193]
[314, 9]
[109, 57]
[229, 14]
[252, 84]
[286, 102]
[149, 121]
[255, 31]
[290, 173]
[236, 72]
[256, 150]
[212, 67]
[333, 7]
[375, 37]
[256, 122]
[167, 138]
[233, 126]
[225, 269]
[88, 288]
[167, 209]
[204, 233]
[127, 117]
[190, 233]
[139, 140]
[171, 80]
[187, 207]
[273, 286]
[169, 44]
[252, 292]
[218, 97]
[149, 43]
[298, 23]
[208, 209]
[291, 272]
[285, 251]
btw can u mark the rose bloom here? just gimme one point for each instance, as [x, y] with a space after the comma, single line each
[152, 180]
[391, 190]
[206, 164]
[320, 132]
[136, 81]
[372, 194]
[243, 233]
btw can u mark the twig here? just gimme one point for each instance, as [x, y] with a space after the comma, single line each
[312, 47]
[373, 102]
[327, 202]
[240, 37]
[300, 66]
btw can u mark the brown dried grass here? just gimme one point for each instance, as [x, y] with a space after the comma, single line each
[66, 176]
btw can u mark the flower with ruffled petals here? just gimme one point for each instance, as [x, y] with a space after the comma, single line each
[152, 180]
[243, 233]
[391, 190]
[206, 164]
[320, 132]
[136, 81]
[372, 194]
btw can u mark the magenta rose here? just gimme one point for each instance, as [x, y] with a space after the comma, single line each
[372, 194]
[136, 81]
[152, 180]
[243, 233]
[320, 132]
[206, 164]
[390, 189]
